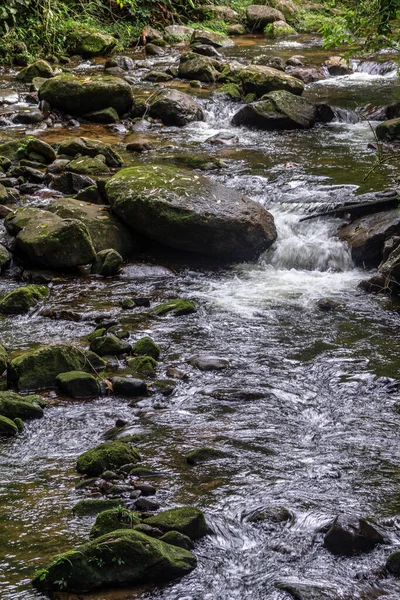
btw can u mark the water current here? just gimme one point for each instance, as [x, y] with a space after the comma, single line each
[306, 409]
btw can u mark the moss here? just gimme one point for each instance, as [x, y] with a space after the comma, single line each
[141, 472]
[88, 43]
[176, 307]
[195, 161]
[23, 299]
[107, 115]
[7, 427]
[177, 539]
[280, 29]
[204, 455]
[232, 90]
[109, 345]
[3, 359]
[19, 423]
[85, 165]
[163, 386]
[146, 347]
[110, 520]
[85, 508]
[14, 406]
[95, 334]
[78, 384]
[88, 147]
[107, 263]
[38, 369]
[187, 520]
[106, 457]
[39, 68]
[142, 366]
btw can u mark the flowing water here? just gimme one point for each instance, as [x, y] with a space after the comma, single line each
[307, 409]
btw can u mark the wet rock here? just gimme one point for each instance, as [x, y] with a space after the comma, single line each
[165, 387]
[109, 345]
[202, 68]
[223, 139]
[106, 115]
[90, 43]
[37, 369]
[269, 61]
[278, 29]
[13, 406]
[175, 108]
[201, 455]
[328, 304]
[178, 212]
[85, 508]
[29, 116]
[277, 110]
[40, 68]
[288, 8]
[177, 539]
[105, 457]
[142, 366]
[28, 173]
[153, 50]
[7, 427]
[260, 80]
[91, 195]
[145, 488]
[113, 519]
[218, 40]
[308, 74]
[80, 96]
[140, 146]
[295, 61]
[188, 520]
[128, 386]
[5, 256]
[88, 166]
[42, 148]
[393, 564]
[375, 285]
[366, 236]
[70, 183]
[309, 590]
[350, 535]
[3, 359]
[86, 147]
[146, 347]
[388, 130]
[123, 62]
[21, 300]
[127, 558]
[257, 16]
[336, 65]
[145, 505]
[203, 162]
[178, 33]
[49, 245]
[209, 363]
[206, 50]
[272, 514]
[107, 263]
[177, 307]
[157, 76]
[78, 384]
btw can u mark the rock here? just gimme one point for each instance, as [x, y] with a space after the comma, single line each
[203, 162]
[42, 148]
[28, 116]
[366, 236]
[187, 520]
[295, 61]
[308, 74]
[222, 13]
[123, 62]
[127, 558]
[374, 285]
[309, 590]
[265, 60]
[393, 564]
[165, 387]
[13, 406]
[140, 146]
[272, 514]
[146, 505]
[109, 344]
[348, 536]
[257, 16]
[146, 347]
[206, 50]
[107, 263]
[142, 366]
[287, 8]
[87, 147]
[40, 68]
[88, 166]
[238, 29]
[177, 539]
[78, 384]
[3, 359]
[209, 363]
[388, 130]
[106, 115]
[153, 50]
[85, 508]
[200, 455]
[7, 427]
[21, 300]
[259, 80]
[115, 518]
[5, 256]
[194, 66]
[177, 307]
[71, 183]
[179, 213]
[81, 96]
[45, 239]
[157, 77]
[178, 33]
[391, 264]
[90, 43]
[37, 369]
[278, 29]
[337, 66]
[128, 386]
[327, 304]
[278, 110]
[200, 36]
[106, 457]
[149, 34]
[175, 108]
[106, 231]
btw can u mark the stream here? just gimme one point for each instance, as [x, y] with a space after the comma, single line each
[306, 411]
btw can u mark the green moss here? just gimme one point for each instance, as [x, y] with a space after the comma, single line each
[14, 406]
[23, 299]
[175, 307]
[272, 30]
[204, 455]
[3, 359]
[19, 423]
[109, 345]
[85, 508]
[89, 42]
[146, 347]
[177, 539]
[7, 427]
[106, 457]
[142, 366]
[110, 520]
[88, 147]
[187, 520]
[232, 90]
[85, 165]
[78, 384]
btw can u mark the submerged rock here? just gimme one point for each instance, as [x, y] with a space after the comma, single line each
[190, 213]
[205, 362]
[78, 384]
[177, 307]
[106, 457]
[175, 108]
[121, 558]
[277, 110]
[348, 536]
[23, 299]
[128, 386]
[200, 455]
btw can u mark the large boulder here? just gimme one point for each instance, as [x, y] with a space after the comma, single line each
[260, 80]
[277, 110]
[82, 95]
[175, 108]
[178, 33]
[190, 213]
[38, 369]
[90, 43]
[196, 67]
[44, 239]
[217, 40]
[366, 236]
[258, 16]
[106, 231]
[388, 130]
[287, 8]
[21, 300]
[223, 13]
[120, 558]
[106, 457]
[112, 519]
[81, 146]
[187, 520]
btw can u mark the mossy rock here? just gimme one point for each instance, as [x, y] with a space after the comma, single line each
[78, 384]
[278, 29]
[88, 147]
[211, 38]
[187, 520]
[119, 559]
[85, 165]
[174, 107]
[89, 43]
[177, 307]
[260, 80]
[106, 115]
[38, 369]
[232, 90]
[3, 359]
[7, 427]
[142, 366]
[201, 68]
[115, 518]
[201, 455]
[109, 345]
[146, 347]
[5, 256]
[107, 263]
[87, 508]
[13, 406]
[23, 299]
[13, 149]
[177, 539]
[387, 130]
[40, 68]
[19, 423]
[195, 161]
[178, 33]
[393, 564]
[106, 457]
